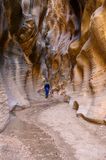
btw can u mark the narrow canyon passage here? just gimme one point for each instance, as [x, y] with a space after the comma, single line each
[49, 130]
[60, 44]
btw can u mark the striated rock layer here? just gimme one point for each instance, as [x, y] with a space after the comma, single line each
[60, 41]
[16, 83]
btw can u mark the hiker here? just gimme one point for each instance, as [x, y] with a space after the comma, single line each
[46, 89]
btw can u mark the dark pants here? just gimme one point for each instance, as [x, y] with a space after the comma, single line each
[46, 92]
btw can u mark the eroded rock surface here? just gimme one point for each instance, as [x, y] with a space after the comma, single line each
[4, 110]
[60, 41]
[76, 37]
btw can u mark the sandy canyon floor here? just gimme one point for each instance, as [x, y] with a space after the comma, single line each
[50, 130]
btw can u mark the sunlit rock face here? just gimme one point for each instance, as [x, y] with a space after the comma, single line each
[62, 41]
[76, 43]
[90, 68]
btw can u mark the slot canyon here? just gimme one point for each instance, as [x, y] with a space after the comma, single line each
[62, 42]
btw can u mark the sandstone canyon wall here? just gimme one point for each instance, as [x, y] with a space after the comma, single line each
[62, 41]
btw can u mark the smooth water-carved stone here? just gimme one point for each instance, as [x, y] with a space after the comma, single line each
[4, 110]
[63, 42]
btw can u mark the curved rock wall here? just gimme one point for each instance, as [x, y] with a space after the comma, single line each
[4, 110]
[92, 63]
[62, 41]
[76, 43]
[16, 83]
